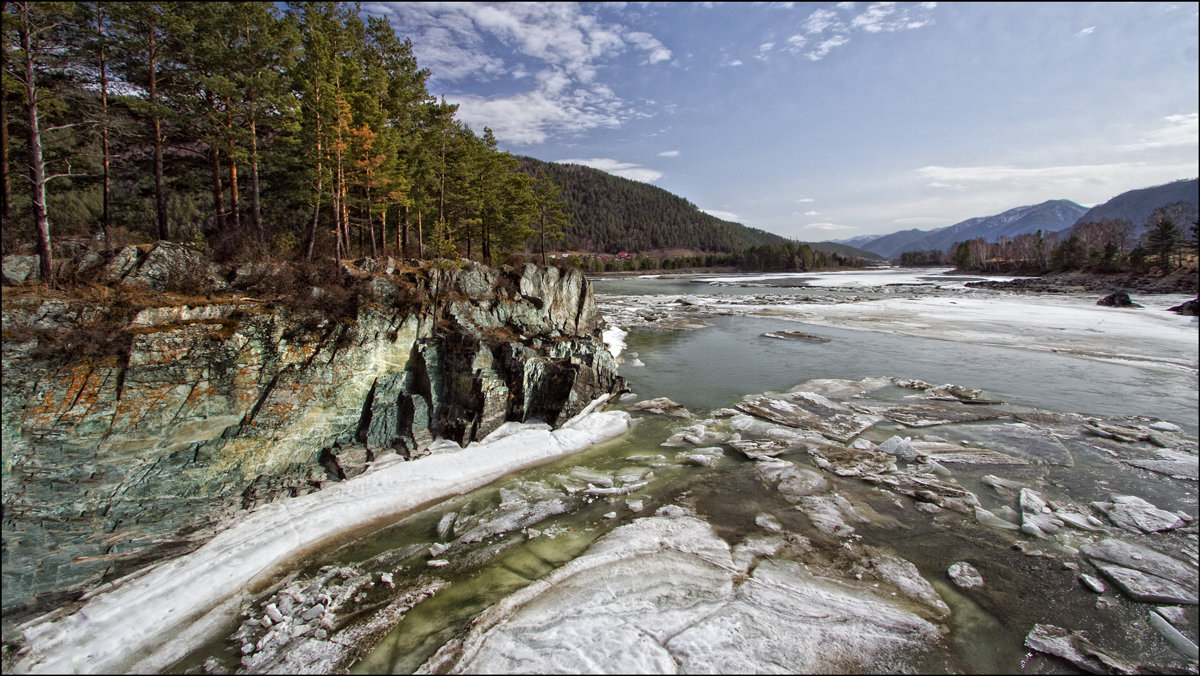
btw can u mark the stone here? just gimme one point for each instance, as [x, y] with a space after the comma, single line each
[1181, 643]
[1092, 583]
[1190, 308]
[1144, 574]
[1074, 648]
[1118, 299]
[965, 575]
[987, 518]
[662, 406]
[1135, 514]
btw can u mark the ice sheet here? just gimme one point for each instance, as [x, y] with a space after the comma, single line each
[125, 626]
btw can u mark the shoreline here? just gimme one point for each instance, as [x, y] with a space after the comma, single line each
[136, 623]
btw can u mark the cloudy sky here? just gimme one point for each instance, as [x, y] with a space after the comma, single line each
[827, 121]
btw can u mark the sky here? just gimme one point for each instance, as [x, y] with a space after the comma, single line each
[824, 121]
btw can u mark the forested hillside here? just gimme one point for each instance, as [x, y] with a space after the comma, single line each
[247, 131]
[612, 214]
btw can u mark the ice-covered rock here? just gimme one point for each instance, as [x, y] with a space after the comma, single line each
[1143, 573]
[965, 575]
[1073, 647]
[1135, 514]
[658, 595]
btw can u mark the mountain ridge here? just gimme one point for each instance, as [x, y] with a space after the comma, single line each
[1133, 205]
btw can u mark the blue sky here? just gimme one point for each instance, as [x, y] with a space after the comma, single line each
[828, 121]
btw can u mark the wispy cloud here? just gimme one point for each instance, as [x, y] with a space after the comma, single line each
[1085, 32]
[723, 215]
[1000, 184]
[669, 153]
[618, 168]
[562, 45]
[827, 227]
[805, 200]
[1177, 130]
[827, 29]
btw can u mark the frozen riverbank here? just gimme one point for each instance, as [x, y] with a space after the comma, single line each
[148, 620]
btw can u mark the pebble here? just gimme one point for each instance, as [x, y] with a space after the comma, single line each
[437, 563]
[1092, 583]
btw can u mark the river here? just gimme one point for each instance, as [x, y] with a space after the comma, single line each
[533, 522]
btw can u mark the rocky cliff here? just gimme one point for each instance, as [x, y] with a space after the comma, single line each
[137, 420]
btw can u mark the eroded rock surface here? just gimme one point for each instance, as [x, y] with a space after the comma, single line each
[189, 411]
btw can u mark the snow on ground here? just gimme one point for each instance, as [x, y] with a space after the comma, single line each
[614, 338]
[1055, 323]
[125, 628]
[865, 278]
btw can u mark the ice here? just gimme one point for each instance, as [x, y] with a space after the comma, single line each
[117, 628]
[659, 596]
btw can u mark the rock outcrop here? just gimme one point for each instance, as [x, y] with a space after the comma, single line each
[136, 422]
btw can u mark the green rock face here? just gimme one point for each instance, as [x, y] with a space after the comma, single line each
[113, 461]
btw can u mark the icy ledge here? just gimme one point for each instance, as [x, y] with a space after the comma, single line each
[150, 619]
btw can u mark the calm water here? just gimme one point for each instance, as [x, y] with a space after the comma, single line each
[715, 366]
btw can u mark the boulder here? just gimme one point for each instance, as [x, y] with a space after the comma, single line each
[1118, 299]
[1189, 308]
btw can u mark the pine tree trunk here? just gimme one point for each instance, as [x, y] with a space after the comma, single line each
[420, 238]
[37, 168]
[403, 234]
[255, 204]
[233, 178]
[160, 190]
[383, 231]
[105, 216]
[218, 190]
[6, 188]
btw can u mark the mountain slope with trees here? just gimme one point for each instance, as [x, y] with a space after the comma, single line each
[1136, 206]
[1050, 216]
[610, 214]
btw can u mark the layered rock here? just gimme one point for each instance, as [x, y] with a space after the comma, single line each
[132, 430]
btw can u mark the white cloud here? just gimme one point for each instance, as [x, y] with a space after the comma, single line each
[723, 215]
[1178, 130]
[812, 213]
[821, 20]
[562, 46]
[804, 200]
[735, 62]
[618, 168]
[554, 107]
[831, 30]
[669, 153]
[1086, 31]
[647, 42]
[827, 227]
[825, 46]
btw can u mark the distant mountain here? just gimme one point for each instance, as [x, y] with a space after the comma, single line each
[612, 214]
[1050, 216]
[1136, 206]
[844, 249]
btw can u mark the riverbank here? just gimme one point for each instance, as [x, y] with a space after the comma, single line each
[1178, 282]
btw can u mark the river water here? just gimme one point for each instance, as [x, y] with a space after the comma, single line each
[714, 367]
